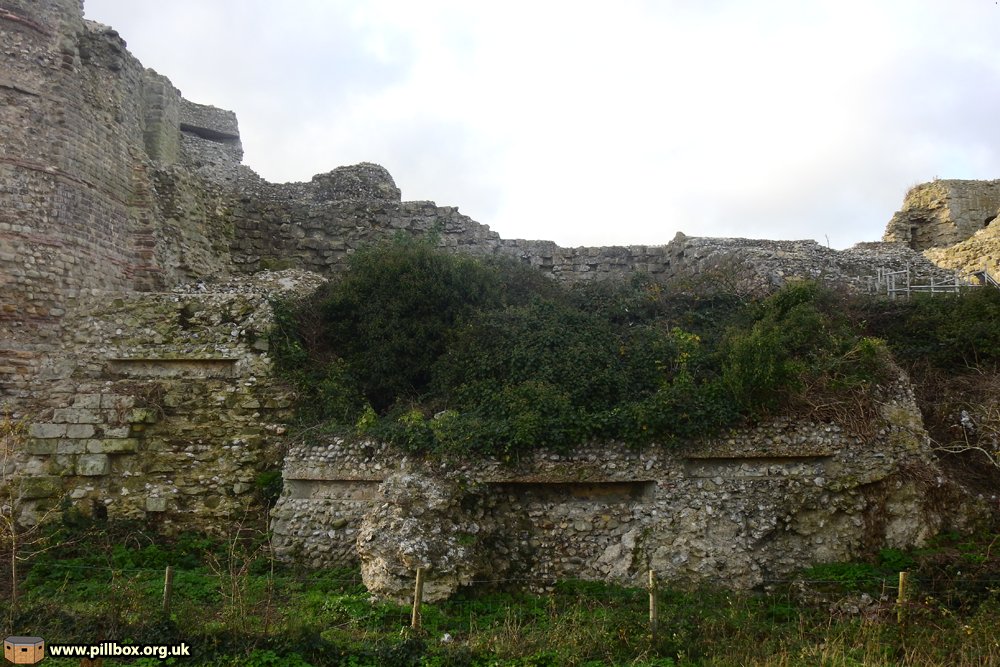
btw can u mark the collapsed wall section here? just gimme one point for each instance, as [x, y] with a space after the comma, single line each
[977, 254]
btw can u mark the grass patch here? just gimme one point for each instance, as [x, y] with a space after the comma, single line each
[838, 614]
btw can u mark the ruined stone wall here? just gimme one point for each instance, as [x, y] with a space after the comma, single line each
[160, 404]
[97, 189]
[146, 396]
[944, 212]
[317, 225]
[757, 503]
[68, 156]
[66, 174]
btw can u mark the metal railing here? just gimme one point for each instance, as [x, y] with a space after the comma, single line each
[905, 283]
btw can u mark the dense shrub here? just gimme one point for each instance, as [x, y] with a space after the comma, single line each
[947, 331]
[798, 341]
[395, 310]
[433, 350]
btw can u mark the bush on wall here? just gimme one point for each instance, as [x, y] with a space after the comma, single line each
[440, 351]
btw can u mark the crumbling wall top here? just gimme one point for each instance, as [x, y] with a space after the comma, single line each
[944, 212]
[364, 181]
[209, 122]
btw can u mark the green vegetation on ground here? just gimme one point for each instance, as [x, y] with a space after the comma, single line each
[234, 606]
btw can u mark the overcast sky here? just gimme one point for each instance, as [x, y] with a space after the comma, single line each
[602, 123]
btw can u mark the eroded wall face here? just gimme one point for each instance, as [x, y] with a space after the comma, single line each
[760, 503]
[943, 213]
[71, 129]
[160, 405]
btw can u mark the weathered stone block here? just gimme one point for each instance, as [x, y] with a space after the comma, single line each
[75, 416]
[156, 504]
[113, 446]
[44, 430]
[80, 430]
[62, 465]
[45, 486]
[93, 465]
[117, 431]
[40, 447]
[71, 447]
[87, 401]
[33, 466]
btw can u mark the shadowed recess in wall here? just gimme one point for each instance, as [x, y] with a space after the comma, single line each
[607, 492]
[210, 135]
[338, 489]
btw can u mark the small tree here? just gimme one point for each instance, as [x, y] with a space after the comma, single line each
[978, 428]
[21, 529]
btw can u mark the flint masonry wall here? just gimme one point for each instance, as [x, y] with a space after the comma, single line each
[317, 225]
[84, 207]
[67, 156]
[757, 503]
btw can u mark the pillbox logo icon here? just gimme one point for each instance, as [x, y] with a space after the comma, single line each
[23, 650]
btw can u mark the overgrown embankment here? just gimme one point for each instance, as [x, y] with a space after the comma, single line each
[440, 352]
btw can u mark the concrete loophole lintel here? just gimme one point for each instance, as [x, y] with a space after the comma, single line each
[563, 491]
[213, 367]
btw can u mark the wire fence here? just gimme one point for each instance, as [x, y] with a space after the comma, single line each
[515, 601]
[264, 605]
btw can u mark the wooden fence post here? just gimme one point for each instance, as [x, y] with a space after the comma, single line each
[418, 597]
[653, 621]
[901, 600]
[168, 588]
